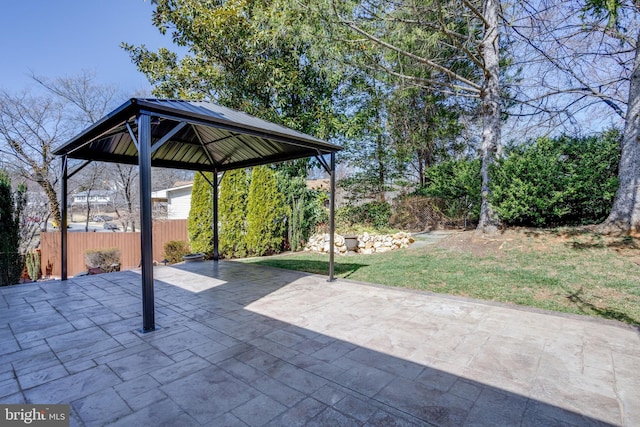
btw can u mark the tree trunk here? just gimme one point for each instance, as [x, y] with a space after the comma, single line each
[490, 112]
[624, 217]
[86, 221]
[54, 205]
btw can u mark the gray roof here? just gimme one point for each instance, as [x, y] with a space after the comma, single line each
[213, 137]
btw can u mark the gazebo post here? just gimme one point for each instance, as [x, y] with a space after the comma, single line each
[63, 226]
[216, 254]
[146, 226]
[332, 215]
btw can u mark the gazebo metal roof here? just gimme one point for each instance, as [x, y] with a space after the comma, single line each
[193, 135]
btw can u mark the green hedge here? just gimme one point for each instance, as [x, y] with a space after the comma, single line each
[561, 181]
[544, 182]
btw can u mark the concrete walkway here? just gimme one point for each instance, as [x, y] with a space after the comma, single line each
[246, 345]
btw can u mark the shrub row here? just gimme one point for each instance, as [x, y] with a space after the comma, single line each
[544, 182]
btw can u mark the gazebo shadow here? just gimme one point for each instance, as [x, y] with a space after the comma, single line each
[262, 357]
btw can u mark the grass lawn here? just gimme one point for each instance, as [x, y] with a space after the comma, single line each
[573, 271]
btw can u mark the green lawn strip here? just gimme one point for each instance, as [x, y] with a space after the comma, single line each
[592, 281]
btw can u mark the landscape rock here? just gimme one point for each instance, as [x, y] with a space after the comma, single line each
[367, 243]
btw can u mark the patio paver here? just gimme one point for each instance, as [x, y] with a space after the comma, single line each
[243, 345]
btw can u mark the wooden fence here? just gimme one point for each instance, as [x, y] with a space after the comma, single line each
[128, 243]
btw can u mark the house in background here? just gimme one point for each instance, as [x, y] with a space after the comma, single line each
[173, 203]
[96, 198]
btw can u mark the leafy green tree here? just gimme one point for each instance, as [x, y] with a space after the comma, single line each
[10, 258]
[419, 33]
[265, 213]
[199, 223]
[234, 190]
[424, 129]
[247, 55]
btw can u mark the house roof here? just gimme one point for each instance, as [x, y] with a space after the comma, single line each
[193, 135]
[163, 194]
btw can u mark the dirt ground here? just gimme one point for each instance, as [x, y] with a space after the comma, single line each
[539, 240]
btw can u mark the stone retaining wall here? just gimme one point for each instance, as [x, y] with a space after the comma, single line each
[365, 243]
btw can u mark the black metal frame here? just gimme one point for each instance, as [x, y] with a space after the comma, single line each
[145, 148]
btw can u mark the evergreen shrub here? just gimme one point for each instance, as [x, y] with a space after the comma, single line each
[560, 181]
[234, 190]
[11, 261]
[266, 213]
[199, 222]
[32, 260]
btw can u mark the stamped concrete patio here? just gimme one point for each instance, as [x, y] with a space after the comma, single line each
[247, 345]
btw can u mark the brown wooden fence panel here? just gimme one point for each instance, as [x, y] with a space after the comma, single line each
[128, 243]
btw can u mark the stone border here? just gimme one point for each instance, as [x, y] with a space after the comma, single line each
[366, 243]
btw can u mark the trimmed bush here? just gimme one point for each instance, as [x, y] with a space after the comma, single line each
[199, 223]
[561, 181]
[265, 213]
[174, 250]
[106, 259]
[234, 190]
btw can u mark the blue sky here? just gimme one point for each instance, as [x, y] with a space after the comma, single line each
[63, 37]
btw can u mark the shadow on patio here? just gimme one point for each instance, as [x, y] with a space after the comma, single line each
[239, 344]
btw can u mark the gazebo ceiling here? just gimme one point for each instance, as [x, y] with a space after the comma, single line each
[194, 135]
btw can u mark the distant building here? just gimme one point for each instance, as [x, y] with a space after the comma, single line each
[96, 198]
[177, 201]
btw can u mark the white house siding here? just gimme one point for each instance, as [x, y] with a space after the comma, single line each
[179, 202]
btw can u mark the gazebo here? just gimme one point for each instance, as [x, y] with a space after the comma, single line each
[192, 135]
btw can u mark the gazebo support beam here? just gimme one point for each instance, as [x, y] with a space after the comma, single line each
[330, 168]
[63, 226]
[146, 225]
[332, 216]
[214, 189]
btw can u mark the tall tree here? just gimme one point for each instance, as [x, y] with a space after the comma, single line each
[472, 29]
[625, 212]
[582, 61]
[425, 130]
[31, 126]
[239, 58]
[125, 198]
